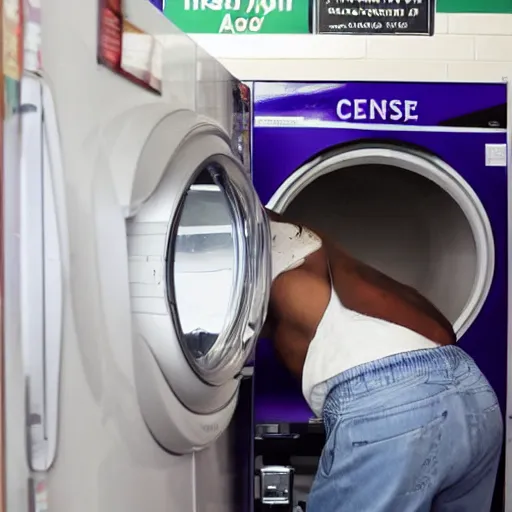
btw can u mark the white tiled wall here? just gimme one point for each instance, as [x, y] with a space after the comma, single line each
[466, 47]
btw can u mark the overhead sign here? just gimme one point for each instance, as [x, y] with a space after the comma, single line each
[240, 16]
[413, 17]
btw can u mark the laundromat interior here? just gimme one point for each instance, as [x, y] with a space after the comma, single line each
[136, 252]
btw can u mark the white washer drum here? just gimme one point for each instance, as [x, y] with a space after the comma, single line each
[198, 251]
[405, 212]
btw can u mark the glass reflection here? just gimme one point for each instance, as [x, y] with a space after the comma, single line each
[204, 263]
[241, 129]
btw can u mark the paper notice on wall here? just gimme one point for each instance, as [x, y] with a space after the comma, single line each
[12, 41]
[12, 35]
[495, 155]
[127, 50]
[141, 56]
[32, 55]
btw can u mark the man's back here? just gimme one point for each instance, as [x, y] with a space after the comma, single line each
[300, 297]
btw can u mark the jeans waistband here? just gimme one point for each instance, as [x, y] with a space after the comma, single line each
[393, 369]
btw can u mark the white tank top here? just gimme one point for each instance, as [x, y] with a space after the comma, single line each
[344, 338]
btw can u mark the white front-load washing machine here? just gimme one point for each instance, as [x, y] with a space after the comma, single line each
[145, 272]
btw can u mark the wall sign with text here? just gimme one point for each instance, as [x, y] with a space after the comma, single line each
[240, 16]
[127, 50]
[413, 17]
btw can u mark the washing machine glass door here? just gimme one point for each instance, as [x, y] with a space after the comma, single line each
[199, 273]
[217, 279]
[199, 258]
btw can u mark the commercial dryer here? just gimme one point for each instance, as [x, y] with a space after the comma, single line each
[409, 177]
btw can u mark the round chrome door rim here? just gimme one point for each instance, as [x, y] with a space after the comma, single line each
[424, 165]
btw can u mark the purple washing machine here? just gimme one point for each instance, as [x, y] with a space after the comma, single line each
[409, 177]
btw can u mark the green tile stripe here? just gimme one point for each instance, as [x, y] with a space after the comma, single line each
[475, 6]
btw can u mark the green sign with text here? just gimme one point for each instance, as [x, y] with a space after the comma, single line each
[240, 16]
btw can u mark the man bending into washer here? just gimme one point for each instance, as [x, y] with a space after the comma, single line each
[412, 425]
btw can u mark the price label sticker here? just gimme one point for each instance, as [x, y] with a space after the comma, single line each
[495, 155]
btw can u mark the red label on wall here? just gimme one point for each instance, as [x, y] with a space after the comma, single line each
[110, 38]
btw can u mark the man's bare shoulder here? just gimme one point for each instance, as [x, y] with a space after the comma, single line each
[300, 287]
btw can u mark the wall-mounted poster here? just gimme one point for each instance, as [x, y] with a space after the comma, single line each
[12, 38]
[412, 17]
[32, 39]
[12, 54]
[238, 16]
[127, 50]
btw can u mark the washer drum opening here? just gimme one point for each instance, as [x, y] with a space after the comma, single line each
[404, 212]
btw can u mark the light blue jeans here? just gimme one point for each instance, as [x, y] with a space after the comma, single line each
[416, 432]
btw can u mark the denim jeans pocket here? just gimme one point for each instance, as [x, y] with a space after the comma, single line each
[408, 443]
[405, 446]
[382, 428]
[396, 401]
